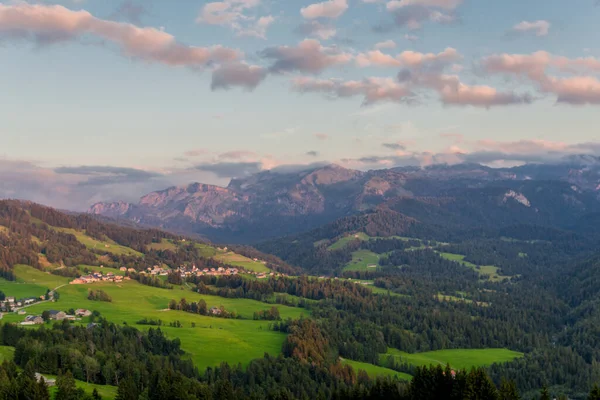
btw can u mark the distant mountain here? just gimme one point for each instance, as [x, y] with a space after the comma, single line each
[276, 203]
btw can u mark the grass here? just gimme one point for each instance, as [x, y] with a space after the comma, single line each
[105, 391]
[361, 260]
[104, 270]
[456, 299]
[108, 245]
[457, 358]
[378, 290]
[340, 244]
[205, 250]
[209, 342]
[6, 353]
[238, 260]
[165, 244]
[375, 370]
[488, 272]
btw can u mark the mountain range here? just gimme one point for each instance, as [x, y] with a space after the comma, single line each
[279, 202]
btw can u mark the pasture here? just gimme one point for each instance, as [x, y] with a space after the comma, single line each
[341, 243]
[361, 260]
[488, 272]
[208, 340]
[238, 260]
[375, 370]
[107, 246]
[457, 358]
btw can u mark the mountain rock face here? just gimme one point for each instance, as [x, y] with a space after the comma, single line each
[275, 203]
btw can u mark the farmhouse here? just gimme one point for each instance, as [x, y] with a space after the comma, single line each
[215, 311]
[57, 315]
[82, 312]
[32, 320]
[49, 382]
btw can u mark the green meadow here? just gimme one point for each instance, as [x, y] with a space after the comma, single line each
[457, 358]
[238, 260]
[6, 353]
[361, 260]
[165, 244]
[375, 370]
[341, 243]
[208, 340]
[489, 272]
[106, 245]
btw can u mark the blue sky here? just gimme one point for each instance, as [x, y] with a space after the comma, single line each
[485, 81]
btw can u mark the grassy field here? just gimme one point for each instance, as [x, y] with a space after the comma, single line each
[340, 244]
[6, 353]
[209, 342]
[361, 260]
[238, 260]
[105, 391]
[457, 358]
[462, 299]
[104, 270]
[107, 245]
[375, 370]
[165, 244]
[378, 290]
[489, 272]
[205, 250]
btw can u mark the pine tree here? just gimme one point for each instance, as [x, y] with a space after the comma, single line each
[508, 391]
[545, 393]
[595, 393]
[96, 395]
[66, 388]
[127, 390]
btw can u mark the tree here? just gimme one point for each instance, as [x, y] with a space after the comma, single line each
[545, 393]
[508, 391]
[127, 390]
[27, 384]
[96, 395]
[66, 388]
[595, 393]
[46, 315]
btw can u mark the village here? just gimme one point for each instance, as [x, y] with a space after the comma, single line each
[184, 271]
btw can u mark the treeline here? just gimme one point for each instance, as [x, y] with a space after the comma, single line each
[201, 308]
[98, 295]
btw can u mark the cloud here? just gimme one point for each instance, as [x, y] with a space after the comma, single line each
[444, 4]
[309, 56]
[538, 28]
[237, 154]
[107, 175]
[453, 92]
[234, 14]
[312, 153]
[394, 146]
[322, 136]
[47, 24]
[412, 16]
[388, 44]
[130, 11]
[328, 9]
[372, 89]
[237, 74]
[316, 29]
[195, 152]
[231, 169]
[409, 59]
[576, 90]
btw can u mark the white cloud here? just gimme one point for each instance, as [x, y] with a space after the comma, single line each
[328, 9]
[538, 28]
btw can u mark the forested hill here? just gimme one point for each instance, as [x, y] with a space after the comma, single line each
[43, 237]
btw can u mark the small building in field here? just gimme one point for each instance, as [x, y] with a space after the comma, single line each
[82, 312]
[57, 315]
[33, 320]
[123, 269]
[215, 311]
[49, 382]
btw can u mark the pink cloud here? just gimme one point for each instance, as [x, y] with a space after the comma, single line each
[322, 136]
[538, 28]
[309, 56]
[445, 4]
[328, 9]
[409, 59]
[43, 24]
[372, 89]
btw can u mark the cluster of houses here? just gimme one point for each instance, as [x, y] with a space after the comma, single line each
[11, 304]
[98, 277]
[56, 316]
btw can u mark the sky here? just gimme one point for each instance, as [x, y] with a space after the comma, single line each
[108, 100]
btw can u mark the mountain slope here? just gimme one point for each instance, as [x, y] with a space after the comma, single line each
[276, 203]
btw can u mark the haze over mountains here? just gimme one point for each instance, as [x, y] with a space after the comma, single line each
[277, 203]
